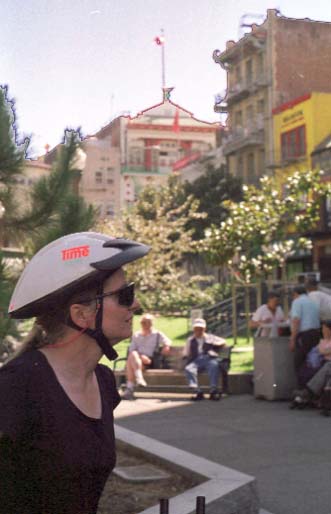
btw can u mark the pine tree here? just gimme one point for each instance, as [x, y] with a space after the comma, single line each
[54, 209]
[11, 154]
[11, 159]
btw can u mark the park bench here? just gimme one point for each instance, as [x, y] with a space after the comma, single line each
[173, 379]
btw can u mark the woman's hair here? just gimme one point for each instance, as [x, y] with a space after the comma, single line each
[52, 324]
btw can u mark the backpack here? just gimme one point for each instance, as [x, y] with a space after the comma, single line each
[159, 361]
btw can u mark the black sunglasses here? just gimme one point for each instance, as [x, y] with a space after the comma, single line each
[125, 295]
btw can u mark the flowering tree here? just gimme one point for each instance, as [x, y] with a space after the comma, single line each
[157, 220]
[267, 227]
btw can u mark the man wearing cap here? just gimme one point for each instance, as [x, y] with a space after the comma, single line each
[201, 351]
[323, 300]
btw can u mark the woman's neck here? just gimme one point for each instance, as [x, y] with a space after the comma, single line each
[73, 359]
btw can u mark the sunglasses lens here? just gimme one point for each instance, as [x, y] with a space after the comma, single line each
[126, 296]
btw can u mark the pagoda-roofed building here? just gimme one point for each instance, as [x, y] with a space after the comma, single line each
[131, 152]
[153, 141]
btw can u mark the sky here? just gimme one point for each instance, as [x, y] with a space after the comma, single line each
[80, 63]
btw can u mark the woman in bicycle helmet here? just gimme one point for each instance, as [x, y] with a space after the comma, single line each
[57, 443]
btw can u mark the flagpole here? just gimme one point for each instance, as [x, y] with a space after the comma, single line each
[163, 58]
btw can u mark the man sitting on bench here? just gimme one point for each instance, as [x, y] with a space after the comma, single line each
[201, 352]
[145, 348]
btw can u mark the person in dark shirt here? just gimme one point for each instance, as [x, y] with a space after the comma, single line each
[57, 443]
[200, 354]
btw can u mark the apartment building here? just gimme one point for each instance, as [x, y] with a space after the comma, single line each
[97, 173]
[32, 171]
[281, 59]
[99, 184]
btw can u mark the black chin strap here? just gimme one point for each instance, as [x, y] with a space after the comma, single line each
[97, 333]
[103, 342]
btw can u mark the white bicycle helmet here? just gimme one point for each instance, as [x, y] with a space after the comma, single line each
[63, 265]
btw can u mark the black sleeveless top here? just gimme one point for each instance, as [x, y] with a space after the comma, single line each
[53, 458]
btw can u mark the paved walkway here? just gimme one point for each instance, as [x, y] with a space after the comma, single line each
[289, 452]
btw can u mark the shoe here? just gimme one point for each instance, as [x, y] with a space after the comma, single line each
[303, 395]
[128, 394]
[198, 397]
[140, 381]
[215, 396]
[302, 398]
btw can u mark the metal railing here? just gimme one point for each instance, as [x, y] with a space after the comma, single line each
[230, 313]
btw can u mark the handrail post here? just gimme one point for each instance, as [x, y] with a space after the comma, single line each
[234, 310]
[164, 506]
[201, 505]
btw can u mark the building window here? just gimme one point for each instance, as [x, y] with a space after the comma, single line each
[98, 177]
[110, 175]
[238, 74]
[250, 116]
[260, 106]
[259, 65]
[240, 167]
[238, 119]
[250, 166]
[261, 165]
[293, 143]
[136, 155]
[249, 71]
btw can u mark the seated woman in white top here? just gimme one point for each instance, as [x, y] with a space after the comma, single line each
[142, 350]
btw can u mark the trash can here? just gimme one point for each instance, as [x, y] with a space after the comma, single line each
[274, 374]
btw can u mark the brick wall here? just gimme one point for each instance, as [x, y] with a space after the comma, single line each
[302, 51]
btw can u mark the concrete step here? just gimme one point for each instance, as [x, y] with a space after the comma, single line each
[164, 380]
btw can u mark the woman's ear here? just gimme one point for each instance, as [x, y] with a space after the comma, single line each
[81, 315]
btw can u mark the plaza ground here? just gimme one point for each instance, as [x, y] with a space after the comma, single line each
[287, 451]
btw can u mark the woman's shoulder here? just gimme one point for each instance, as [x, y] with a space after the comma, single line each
[21, 365]
[17, 393]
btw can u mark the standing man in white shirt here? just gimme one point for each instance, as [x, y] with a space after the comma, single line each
[144, 345]
[323, 300]
[269, 313]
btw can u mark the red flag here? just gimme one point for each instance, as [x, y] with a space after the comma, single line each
[175, 125]
[159, 40]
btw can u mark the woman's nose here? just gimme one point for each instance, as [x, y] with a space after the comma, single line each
[135, 306]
